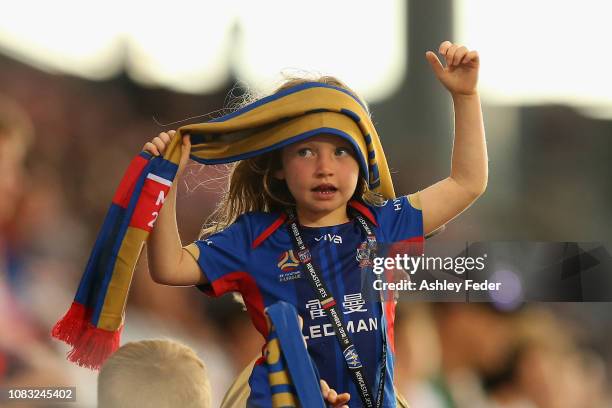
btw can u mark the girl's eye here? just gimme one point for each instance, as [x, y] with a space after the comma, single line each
[304, 152]
[342, 151]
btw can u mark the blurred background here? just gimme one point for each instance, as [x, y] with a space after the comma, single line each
[84, 85]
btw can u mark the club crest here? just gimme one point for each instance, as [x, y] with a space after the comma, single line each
[363, 255]
[304, 256]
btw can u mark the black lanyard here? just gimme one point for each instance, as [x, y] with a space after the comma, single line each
[328, 304]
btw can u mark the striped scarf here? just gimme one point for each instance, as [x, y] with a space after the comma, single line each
[291, 373]
[94, 321]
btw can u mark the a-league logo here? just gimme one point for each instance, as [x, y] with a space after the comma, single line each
[288, 264]
[287, 261]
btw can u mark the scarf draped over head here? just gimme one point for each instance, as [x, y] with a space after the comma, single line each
[93, 323]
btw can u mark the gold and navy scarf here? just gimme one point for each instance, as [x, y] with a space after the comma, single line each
[292, 375]
[93, 324]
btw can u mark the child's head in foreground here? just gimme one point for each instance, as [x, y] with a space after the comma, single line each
[318, 175]
[155, 374]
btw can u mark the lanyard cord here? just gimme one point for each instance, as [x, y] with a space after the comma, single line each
[328, 304]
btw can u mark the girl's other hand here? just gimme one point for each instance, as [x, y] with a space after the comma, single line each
[332, 398]
[460, 76]
[158, 145]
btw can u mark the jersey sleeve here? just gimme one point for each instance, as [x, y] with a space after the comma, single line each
[401, 219]
[223, 257]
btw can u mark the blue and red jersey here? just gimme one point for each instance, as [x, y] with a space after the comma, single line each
[255, 256]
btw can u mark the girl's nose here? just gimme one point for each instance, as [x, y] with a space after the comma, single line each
[325, 165]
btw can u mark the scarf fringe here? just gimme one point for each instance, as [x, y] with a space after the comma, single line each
[71, 327]
[91, 346]
[94, 347]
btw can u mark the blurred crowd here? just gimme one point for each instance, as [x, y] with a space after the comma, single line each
[473, 355]
[64, 144]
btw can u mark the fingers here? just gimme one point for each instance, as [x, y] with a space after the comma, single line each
[332, 397]
[157, 146]
[471, 56]
[435, 63]
[336, 400]
[186, 141]
[324, 389]
[163, 140]
[151, 148]
[343, 399]
[456, 54]
[186, 146]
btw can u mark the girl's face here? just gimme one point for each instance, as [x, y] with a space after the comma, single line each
[321, 173]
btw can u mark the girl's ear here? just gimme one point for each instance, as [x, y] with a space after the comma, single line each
[279, 174]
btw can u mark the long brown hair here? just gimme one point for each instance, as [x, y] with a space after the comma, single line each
[251, 182]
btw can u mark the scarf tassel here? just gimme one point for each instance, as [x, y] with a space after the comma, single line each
[91, 346]
[71, 327]
[94, 347]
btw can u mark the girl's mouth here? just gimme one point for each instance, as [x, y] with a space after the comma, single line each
[324, 191]
[325, 188]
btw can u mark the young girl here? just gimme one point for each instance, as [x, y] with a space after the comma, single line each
[317, 179]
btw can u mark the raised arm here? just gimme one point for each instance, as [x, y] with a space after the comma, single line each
[169, 263]
[444, 200]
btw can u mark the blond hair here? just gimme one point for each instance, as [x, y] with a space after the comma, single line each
[251, 184]
[155, 374]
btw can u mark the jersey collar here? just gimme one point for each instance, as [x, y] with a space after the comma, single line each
[355, 204]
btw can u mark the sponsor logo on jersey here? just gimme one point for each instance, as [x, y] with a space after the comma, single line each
[333, 238]
[314, 331]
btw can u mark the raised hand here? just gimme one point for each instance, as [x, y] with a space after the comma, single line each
[157, 147]
[460, 76]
